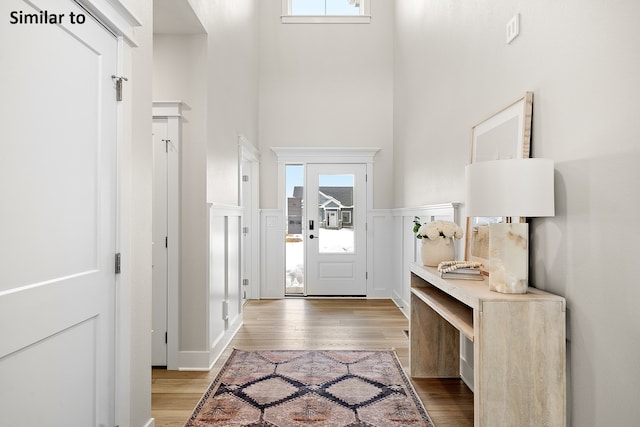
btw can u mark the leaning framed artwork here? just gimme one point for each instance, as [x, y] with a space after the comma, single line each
[505, 134]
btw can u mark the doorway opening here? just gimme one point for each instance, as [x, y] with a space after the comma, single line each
[336, 238]
[166, 137]
[316, 207]
[325, 236]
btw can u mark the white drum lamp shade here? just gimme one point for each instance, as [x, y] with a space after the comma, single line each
[509, 188]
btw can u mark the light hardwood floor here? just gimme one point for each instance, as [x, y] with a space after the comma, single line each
[298, 323]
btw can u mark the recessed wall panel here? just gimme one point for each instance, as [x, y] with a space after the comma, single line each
[336, 270]
[29, 375]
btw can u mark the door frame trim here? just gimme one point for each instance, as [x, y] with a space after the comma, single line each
[305, 155]
[118, 18]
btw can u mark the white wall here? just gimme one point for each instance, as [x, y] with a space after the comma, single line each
[580, 58]
[232, 89]
[179, 73]
[326, 85]
[216, 75]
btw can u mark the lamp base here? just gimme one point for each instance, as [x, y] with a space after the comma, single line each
[509, 258]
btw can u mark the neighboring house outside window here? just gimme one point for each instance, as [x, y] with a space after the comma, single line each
[325, 11]
[335, 208]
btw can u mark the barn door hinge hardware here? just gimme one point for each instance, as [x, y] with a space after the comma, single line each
[245, 282]
[118, 263]
[118, 80]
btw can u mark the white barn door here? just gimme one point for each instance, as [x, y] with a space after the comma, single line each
[57, 219]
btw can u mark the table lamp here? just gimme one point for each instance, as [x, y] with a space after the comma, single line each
[509, 188]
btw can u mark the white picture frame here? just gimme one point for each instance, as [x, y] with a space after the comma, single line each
[505, 134]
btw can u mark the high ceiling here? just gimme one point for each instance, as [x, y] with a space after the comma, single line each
[175, 17]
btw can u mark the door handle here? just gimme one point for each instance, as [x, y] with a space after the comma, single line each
[311, 236]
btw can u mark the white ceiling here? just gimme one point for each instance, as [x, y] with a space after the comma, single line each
[175, 17]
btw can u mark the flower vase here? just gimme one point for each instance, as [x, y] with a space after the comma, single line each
[437, 250]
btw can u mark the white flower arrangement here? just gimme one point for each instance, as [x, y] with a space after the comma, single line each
[433, 230]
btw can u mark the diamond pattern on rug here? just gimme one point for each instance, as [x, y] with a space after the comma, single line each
[224, 409]
[394, 411]
[311, 388]
[310, 409]
[379, 367]
[270, 390]
[281, 357]
[312, 368]
[353, 391]
[346, 356]
[248, 366]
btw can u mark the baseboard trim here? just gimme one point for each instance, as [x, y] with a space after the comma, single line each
[194, 361]
[204, 360]
[218, 348]
[401, 303]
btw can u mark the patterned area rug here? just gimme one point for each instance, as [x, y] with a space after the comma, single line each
[290, 388]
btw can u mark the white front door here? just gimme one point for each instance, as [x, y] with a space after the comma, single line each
[57, 219]
[336, 236]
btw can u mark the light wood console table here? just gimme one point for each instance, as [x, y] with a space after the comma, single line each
[518, 347]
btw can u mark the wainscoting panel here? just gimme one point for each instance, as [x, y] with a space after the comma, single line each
[233, 280]
[380, 261]
[225, 300]
[406, 244]
[223, 290]
[217, 276]
[272, 254]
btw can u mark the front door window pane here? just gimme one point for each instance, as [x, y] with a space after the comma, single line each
[335, 214]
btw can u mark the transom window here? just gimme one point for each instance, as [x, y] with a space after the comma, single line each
[325, 11]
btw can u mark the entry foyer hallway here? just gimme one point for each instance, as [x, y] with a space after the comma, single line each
[291, 324]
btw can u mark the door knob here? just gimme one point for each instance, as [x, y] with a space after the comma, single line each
[311, 236]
